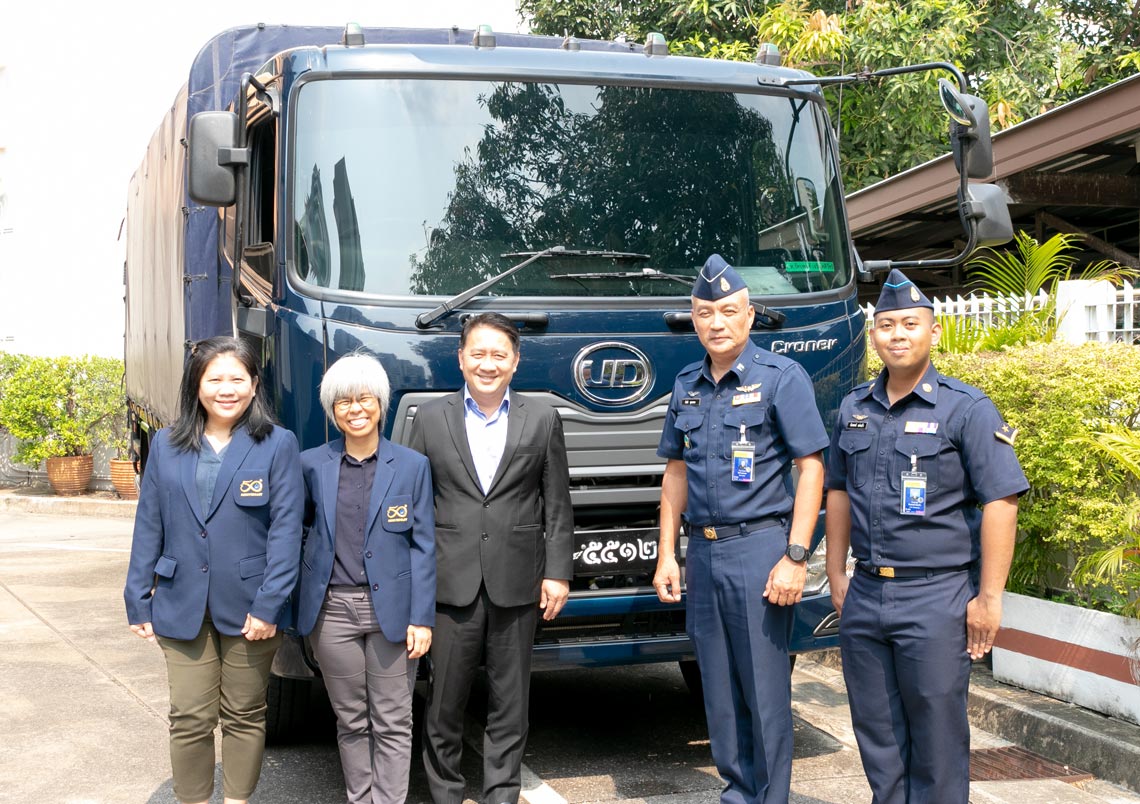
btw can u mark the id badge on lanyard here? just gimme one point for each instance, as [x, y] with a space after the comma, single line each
[743, 457]
[913, 501]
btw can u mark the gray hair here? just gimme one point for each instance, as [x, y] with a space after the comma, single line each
[352, 375]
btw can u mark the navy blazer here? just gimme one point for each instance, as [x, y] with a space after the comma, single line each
[399, 537]
[240, 557]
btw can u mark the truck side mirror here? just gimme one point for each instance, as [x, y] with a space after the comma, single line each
[969, 130]
[213, 155]
[989, 208]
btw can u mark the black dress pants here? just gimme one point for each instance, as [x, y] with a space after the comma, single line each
[464, 637]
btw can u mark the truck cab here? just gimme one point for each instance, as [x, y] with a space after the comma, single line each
[367, 189]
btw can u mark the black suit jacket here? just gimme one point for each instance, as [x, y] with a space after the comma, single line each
[521, 530]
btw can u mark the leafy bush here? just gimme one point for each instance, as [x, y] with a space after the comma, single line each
[1059, 396]
[9, 363]
[61, 406]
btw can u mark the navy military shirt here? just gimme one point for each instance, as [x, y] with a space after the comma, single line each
[947, 429]
[772, 397]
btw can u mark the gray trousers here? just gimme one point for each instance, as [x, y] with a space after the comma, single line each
[369, 681]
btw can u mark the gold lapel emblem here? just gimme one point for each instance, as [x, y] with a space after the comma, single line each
[927, 387]
[397, 513]
[858, 416]
[251, 488]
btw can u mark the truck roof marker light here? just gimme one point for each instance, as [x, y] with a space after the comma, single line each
[484, 37]
[768, 53]
[655, 44]
[353, 35]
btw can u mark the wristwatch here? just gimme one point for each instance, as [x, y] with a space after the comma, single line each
[797, 553]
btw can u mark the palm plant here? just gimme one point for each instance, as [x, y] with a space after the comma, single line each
[1023, 273]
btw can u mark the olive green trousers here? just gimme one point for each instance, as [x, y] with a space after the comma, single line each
[217, 678]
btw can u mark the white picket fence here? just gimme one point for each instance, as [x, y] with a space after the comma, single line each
[988, 311]
[1089, 311]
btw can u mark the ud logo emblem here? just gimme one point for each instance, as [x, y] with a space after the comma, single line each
[397, 513]
[251, 488]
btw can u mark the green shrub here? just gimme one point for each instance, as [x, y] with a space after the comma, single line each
[9, 363]
[61, 406]
[1058, 396]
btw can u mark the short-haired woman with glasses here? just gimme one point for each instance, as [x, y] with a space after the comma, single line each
[367, 592]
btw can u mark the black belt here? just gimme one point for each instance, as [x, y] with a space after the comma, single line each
[348, 587]
[712, 532]
[908, 572]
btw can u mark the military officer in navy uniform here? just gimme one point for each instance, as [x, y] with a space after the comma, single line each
[738, 420]
[922, 484]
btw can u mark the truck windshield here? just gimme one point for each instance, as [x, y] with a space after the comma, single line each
[427, 187]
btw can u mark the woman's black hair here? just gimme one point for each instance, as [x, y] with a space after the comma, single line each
[258, 419]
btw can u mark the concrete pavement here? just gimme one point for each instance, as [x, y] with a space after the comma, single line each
[76, 709]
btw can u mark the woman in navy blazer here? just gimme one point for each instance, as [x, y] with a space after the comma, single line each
[367, 593]
[215, 555]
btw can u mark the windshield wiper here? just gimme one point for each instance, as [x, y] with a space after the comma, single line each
[425, 320]
[644, 273]
[561, 252]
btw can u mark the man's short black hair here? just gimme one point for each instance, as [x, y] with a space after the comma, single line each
[494, 321]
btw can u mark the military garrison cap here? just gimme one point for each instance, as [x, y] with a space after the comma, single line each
[899, 293]
[716, 280]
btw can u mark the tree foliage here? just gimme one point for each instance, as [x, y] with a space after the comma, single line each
[1022, 57]
[543, 175]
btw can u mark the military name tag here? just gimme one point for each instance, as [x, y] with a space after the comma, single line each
[928, 428]
[856, 425]
[745, 399]
[691, 402]
[913, 494]
[743, 455]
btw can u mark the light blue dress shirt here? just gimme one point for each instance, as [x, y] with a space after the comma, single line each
[486, 436]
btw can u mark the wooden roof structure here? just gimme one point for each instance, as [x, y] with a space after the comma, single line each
[1075, 168]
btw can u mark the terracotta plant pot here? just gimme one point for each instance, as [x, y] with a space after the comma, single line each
[70, 474]
[123, 478]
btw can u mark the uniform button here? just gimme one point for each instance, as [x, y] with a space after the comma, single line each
[202, 534]
[874, 522]
[375, 587]
[486, 505]
[368, 554]
[205, 568]
[881, 452]
[484, 537]
[877, 486]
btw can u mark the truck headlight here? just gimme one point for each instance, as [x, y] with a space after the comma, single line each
[816, 583]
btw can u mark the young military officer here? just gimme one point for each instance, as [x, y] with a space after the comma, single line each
[737, 422]
[923, 486]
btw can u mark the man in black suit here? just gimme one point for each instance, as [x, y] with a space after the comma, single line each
[503, 531]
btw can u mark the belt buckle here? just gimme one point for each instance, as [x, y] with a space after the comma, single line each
[886, 572]
[710, 532]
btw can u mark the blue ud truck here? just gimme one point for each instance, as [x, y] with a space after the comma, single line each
[322, 190]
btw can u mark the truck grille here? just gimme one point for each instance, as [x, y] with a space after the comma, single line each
[612, 456]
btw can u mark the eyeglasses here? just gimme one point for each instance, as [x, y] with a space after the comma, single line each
[366, 401]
